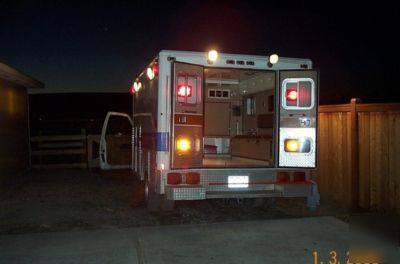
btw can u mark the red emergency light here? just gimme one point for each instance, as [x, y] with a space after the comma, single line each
[291, 94]
[155, 69]
[184, 90]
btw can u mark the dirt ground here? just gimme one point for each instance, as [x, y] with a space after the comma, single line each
[62, 200]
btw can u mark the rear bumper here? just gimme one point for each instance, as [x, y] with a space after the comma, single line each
[262, 183]
[198, 192]
[185, 192]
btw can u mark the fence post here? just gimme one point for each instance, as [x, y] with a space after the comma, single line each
[39, 144]
[355, 178]
[89, 145]
[84, 141]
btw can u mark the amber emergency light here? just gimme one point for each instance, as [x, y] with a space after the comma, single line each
[183, 144]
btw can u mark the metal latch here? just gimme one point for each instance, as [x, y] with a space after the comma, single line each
[305, 122]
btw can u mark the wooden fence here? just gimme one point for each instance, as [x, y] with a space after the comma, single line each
[359, 155]
[59, 151]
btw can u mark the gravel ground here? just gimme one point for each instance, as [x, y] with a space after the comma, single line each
[61, 200]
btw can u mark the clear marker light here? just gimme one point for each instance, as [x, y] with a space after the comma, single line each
[273, 59]
[212, 56]
[137, 86]
[150, 73]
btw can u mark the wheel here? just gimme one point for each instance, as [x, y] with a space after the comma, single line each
[167, 205]
[152, 199]
[261, 202]
[138, 195]
[258, 202]
[156, 202]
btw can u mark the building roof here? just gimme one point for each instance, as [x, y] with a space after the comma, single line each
[13, 75]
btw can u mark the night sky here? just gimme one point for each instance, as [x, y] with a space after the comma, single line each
[93, 47]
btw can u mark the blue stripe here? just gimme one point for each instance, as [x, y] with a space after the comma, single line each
[162, 141]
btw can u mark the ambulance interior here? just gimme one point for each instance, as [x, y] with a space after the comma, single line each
[238, 118]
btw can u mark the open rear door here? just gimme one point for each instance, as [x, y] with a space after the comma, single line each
[187, 117]
[298, 118]
[115, 150]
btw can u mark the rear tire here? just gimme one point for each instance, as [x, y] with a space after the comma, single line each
[152, 199]
[261, 202]
[156, 202]
[138, 195]
[258, 202]
[167, 205]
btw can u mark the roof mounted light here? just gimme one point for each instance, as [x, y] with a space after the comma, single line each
[136, 87]
[212, 56]
[155, 69]
[273, 59]
[150, 73]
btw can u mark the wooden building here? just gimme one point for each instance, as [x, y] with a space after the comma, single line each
[14, 122]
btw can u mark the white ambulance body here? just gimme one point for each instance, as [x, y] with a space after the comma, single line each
[236, 127]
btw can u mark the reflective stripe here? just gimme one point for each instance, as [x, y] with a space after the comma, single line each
[162, 141]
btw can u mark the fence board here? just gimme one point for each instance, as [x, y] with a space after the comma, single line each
[373, 179]
[378, 160]
[397, 162]
[61, 166]
[332, 154]
[392, 162]
[364, 161]
[335, 157]
[58, 138]
[322, 152]
[385, 162]
[61, 145]
[58, 152]
[346, 157]
[340, 146]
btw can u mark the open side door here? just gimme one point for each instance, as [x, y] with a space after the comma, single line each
[298, 113]
[115, 150]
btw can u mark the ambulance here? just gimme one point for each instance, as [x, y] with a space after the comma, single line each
[209, 125]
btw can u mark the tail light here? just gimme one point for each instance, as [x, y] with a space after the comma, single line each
[283, 176]
[192, 178]
[291, 95]
[299, 176]
[174, 178]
